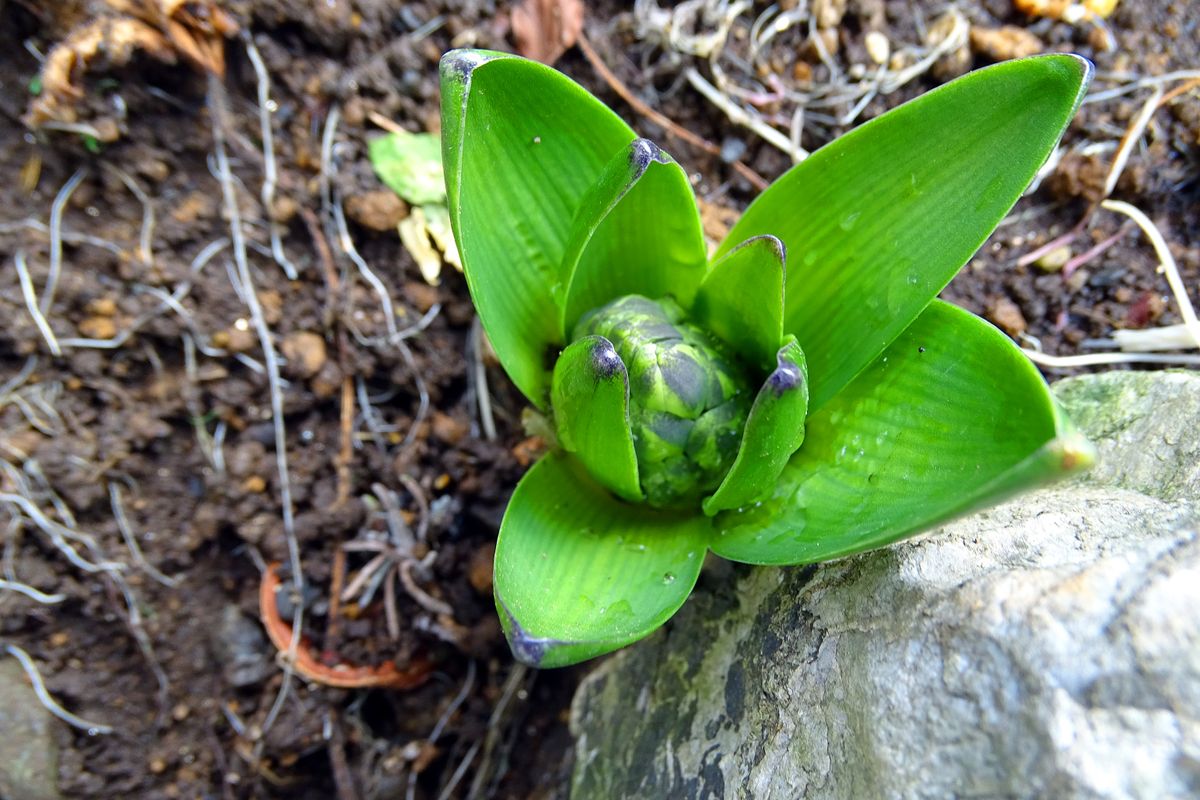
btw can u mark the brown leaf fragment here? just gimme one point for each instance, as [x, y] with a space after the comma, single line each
[163, 29]
[113, 40]
[545, 29]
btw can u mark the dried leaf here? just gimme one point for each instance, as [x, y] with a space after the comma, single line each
[414, 235]
[114, 40]
[545, 29]
[163, 29]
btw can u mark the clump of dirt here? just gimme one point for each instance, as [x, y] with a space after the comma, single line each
[140, 413]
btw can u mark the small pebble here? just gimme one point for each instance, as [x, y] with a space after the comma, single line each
[732, 148]
[380, 210]
[102, 307]
[448, 429]
[239, 340]
[98, 328]
[305, 353]
[479, 569]
[1054, 260]
[1005, 42]
[878, 47]
[422, 295]
[1007, 316]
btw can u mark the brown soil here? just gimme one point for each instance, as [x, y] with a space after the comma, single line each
[177, 420]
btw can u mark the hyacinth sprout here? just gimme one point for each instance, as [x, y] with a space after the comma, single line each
[796, 395]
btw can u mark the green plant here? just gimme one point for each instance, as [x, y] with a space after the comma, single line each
[771, 417]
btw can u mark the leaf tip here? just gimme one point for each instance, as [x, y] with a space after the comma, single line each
[529, 650]
[605, 362]
[785, 378]
[1075, 453]
[772, 243]
[1087, 70]
[458, 64]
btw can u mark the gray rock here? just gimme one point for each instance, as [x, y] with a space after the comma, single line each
[28, 752]
[1049, 647]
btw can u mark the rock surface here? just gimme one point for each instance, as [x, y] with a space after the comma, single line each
[1049, 647]
[28, 753]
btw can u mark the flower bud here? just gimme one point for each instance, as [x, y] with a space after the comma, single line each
[688, 401]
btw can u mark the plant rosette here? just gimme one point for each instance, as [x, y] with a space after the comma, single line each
[769, 415]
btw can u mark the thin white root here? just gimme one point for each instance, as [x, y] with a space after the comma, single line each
[146, 238]
[56, 213]
[1166, 262]
[31, 303]
[1132, 137]
[1102, 359]
[118, 509]
[39, 688]
[270, 174]
[1168, 337]
[740, 116]
[219, 114]
[31, 593]
[1137, 345]
[1138, 83]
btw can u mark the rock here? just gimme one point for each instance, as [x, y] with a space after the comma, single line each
[28, 752]
[239, 646]
[1049, 647]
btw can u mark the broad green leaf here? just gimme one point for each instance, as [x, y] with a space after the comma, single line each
[579, 573]
[410, 164]
[590, 396]
[774, 430]
[951, 417]
[636, 232]
[521, 144]
[741, 299]
[878, 221]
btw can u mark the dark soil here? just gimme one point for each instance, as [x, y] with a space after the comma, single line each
[177, 420]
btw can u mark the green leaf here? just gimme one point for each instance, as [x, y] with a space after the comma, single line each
[410, 164]
[522, 145]
[774, 430]
[590, 396]
[636, 232]
[951, 417]
[579, 573]
[741, 299]
[878, 221]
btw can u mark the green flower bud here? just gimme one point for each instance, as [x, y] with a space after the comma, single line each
[688, 401]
